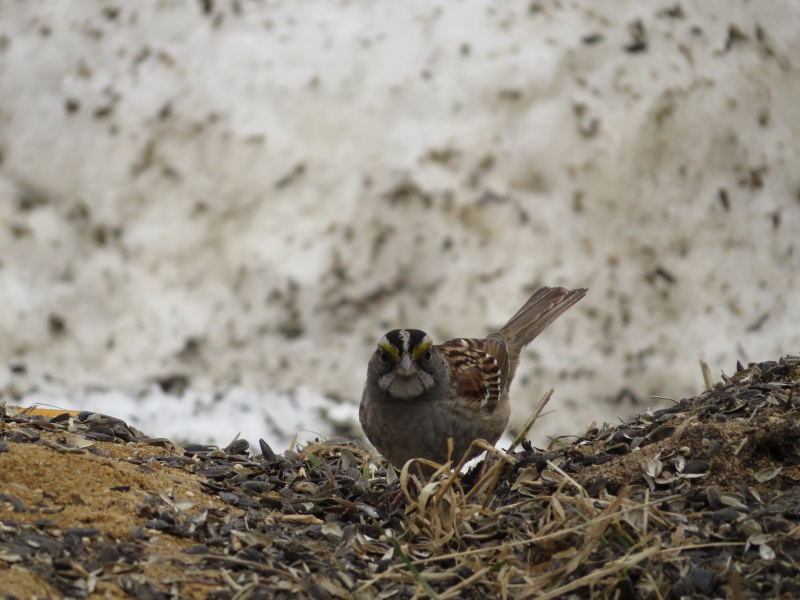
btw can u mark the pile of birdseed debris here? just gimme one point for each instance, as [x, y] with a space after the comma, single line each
[701, 499]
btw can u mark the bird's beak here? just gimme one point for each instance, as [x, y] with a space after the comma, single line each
[406, 365]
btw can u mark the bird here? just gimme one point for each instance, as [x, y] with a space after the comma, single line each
[418, 394]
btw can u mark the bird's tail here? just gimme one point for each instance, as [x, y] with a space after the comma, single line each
[541, 309]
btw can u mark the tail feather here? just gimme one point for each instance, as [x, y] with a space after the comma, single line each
[541, 309]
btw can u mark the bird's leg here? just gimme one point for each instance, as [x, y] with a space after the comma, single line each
[395, 498]
[484, 466]
[407, 487]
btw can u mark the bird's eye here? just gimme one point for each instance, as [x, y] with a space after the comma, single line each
[383, 356]
[427, 356]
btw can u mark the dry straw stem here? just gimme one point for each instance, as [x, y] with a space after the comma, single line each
[590, 531]
[594, 535]
[531, 420]
[597, 576]
[707, 378]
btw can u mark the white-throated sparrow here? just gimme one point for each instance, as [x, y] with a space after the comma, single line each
[418, 395]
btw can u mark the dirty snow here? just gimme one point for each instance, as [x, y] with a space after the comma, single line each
[248, 194]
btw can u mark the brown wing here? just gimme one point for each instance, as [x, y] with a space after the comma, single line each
[479, 368]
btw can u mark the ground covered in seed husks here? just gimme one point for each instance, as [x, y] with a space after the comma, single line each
[701, 499]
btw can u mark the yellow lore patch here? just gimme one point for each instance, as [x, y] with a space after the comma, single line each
[420, 349]
[390, 350]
